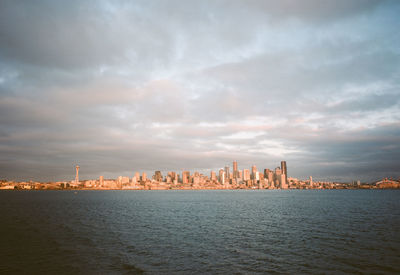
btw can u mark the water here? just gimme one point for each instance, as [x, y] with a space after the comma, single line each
[197, 232]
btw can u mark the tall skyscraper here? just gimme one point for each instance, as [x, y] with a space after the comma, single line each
[235, 170]
[284, 169]
[253, 172]
[246, 174]
[227, 174]
[221, 176]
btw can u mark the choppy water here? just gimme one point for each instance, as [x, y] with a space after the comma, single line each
[189, 232]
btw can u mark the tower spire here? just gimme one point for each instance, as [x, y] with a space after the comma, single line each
[77, 174]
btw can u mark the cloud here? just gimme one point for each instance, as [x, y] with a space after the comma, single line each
[119, 87]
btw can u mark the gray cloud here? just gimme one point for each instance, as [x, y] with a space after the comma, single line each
[120, 87]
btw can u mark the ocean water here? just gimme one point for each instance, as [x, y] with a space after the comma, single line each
[200, 232]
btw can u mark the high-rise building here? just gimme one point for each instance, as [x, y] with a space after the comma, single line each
[172, 175]
[227, 174]
[221, 175]
[144, 176]
[270, 176]
[284, 184]
[213, 176]
[253, 172]
[246, 174]
[284, 169]
[158, 176]
[137, 176]
[235, 170]
[185, 177]
[266, 171]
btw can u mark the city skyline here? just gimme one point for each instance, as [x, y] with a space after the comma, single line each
[225, 178]
[234, 174]
[117, 86]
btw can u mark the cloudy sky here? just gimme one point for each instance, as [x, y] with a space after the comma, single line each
[125, 86]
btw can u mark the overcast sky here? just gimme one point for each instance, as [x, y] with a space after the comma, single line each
[125, 86]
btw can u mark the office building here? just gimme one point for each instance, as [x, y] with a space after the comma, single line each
[284, 169]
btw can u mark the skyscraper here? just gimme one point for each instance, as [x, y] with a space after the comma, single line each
[253, 172]
[137, 176]
[213, 176]
[227, 174]
[284, 184]
[246, 174]
[185, 177]
[235, 170]
[158, 176]
[284, 169]
[221, 176]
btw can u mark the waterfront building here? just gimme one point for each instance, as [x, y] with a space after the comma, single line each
[122, 181]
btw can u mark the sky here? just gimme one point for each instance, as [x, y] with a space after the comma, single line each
[124, 86]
